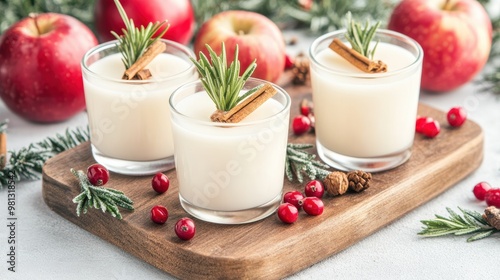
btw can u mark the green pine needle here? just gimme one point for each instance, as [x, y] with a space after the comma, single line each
[222, 83]
[105, 199]
[360, 36]
[471, 222]
[27, 163]
[134, 41]
[299, 162]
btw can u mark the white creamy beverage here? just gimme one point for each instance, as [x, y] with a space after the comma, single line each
[229, 167]
[130, 120]
[365, 115]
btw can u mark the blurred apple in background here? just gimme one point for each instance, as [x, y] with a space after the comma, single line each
[179, 13]
[257, 37]
[454, 34]
[40, 73]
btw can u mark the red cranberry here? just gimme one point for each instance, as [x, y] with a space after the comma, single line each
[160, 182]
[456, 116]
[314, 188]
[313, 206]
[492, 197]
[420, 123]
[288, 213]
[431, 129]
[294, 198]
[185, 228]
[288, 62]
[97, 174]
[480, 190]
[301, 124]
[159, 214]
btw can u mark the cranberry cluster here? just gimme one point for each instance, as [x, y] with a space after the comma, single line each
[484, 192]
[293, 201]
[429, 127]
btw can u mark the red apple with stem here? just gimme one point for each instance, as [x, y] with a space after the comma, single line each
[257, 38]
[40, 72]
[178, 13]
[454, 34]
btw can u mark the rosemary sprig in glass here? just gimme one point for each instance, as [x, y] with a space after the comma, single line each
[134, 41]
[222, 83]
[471, 222]
[360, 36]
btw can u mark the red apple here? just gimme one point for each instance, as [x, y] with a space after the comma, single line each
[179, 13]
[40, 72]
[455, 36]
[257, 37]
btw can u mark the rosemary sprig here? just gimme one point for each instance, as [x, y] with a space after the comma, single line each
[4, 125]
[27, 163]
[299, 162]
[471, 222]
[134, 41]
[106, 199]
[360, 37]
[222, 83]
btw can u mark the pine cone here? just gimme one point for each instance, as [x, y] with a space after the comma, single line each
[359, 180]
[492, 216]
[300, 69]
[336, 183]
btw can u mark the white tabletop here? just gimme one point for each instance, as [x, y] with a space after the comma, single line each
[50, 247]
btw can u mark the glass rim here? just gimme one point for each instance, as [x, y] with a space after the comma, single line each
[113, 44]
[386, 32]
[280, 90]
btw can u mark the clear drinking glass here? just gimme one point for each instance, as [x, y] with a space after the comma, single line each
[366, 121]
[229, 173]
[130, 119]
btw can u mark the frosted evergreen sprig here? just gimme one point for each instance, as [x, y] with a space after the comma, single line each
[27, 163]
[360, 36]
[134, 41]
[299, 161]
[106, 199]
[470, 222]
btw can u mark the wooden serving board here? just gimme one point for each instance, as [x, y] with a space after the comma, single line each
[267, 249]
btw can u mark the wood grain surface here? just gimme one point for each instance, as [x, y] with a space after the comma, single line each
[267, 249]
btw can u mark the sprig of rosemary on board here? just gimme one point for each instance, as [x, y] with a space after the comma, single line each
[223, 83]
[106, 199]
[134, 41]
[27, 163]
[471, 222]
[360, 36]
[299, 162]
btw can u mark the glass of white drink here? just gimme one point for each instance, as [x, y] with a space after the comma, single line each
[364, 120]
[229, 173]
[130, 119]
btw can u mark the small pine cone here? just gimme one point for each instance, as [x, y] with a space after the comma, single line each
[492, 216]
[336, 183]
[300, 70]
[359, 180]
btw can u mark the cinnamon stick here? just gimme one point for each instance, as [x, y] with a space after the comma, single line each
[247, 106]
[3, 150]
[143, 74]
[155, 49]
[355, 58]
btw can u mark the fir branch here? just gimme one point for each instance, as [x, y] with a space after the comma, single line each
[4, 125]
[222, 83]
[470, 222]
[299, 162]
[105, 199]
[27, 163]
[134, 41]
